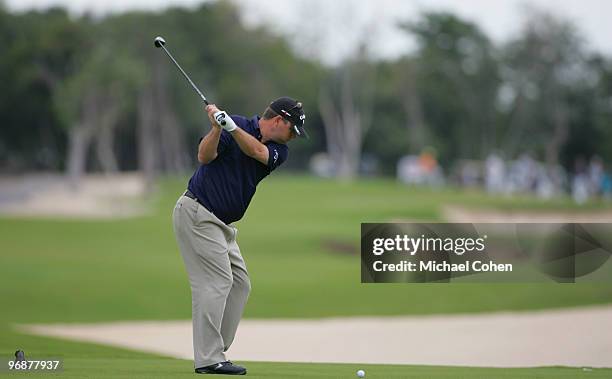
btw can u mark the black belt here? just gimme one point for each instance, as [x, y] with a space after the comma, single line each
[190, 195]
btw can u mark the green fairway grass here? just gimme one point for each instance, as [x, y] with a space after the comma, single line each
[75, 270]
[300, 239]
[170, 368]
[93, 361]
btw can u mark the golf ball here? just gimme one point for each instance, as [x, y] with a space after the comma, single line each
[360, 373]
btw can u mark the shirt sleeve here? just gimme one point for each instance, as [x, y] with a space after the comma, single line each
[277, 154]
[224, 141]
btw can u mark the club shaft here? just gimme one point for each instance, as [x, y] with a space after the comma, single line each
[186, 76]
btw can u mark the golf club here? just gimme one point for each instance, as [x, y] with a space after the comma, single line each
[160, 42]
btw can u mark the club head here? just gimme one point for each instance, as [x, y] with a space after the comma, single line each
[159, 41]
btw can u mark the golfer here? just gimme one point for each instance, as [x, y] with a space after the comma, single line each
[235, 155]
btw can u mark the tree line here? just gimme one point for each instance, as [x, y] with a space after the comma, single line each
[83, 94]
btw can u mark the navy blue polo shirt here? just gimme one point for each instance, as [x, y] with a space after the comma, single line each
[226, 185]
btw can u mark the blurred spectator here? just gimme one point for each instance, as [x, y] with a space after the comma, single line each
[595, 175]
[427, 161]
[369, 165]
[408, 170]
[580, 182]
[606, 186]
[523, 174]
[495, 173]
[423, 169]
[322, 165]
[470, 173]
[545, 188]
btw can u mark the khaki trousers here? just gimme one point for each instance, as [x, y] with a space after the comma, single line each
[218, 277]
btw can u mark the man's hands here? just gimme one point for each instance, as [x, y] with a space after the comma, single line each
[220, 119]
[247, 143]
[225, 121]
[211, 109]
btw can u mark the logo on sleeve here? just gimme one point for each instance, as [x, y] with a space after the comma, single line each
[275, 156]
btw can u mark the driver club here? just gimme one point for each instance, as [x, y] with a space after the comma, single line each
[160, 43]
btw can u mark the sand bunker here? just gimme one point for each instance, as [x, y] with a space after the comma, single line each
[569, 337]
[50, 195]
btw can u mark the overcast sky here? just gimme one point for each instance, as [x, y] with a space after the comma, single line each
[337, 24]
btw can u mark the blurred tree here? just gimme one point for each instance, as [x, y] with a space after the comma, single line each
[159, 134]
[544, 68]
[388, 139]
[602, 107]
[347, 97]
[450, 87]
[74, 83]
[589, 131]
[92, 100]
[412, 104]
[38, 53]
[346, 104]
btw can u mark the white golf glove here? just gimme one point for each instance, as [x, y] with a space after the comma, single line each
[225, 121]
